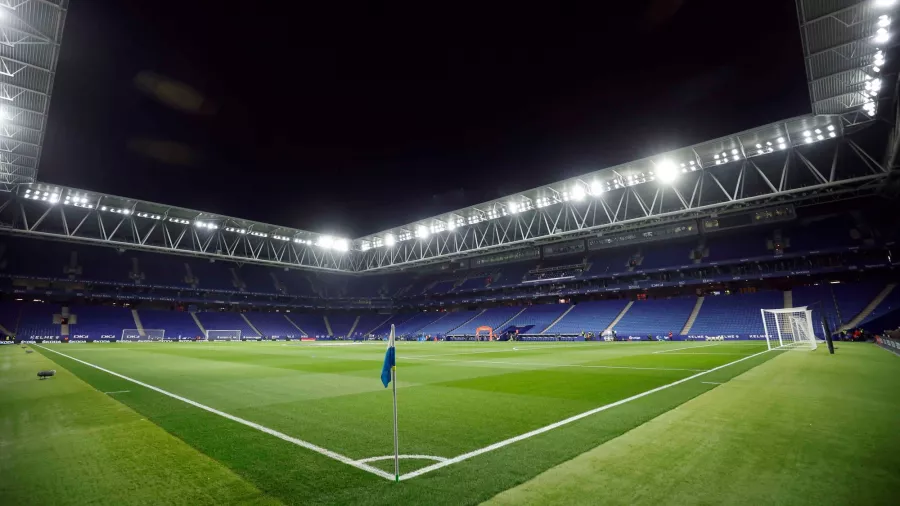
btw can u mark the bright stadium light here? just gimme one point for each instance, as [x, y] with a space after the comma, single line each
[325, 241]
[422, 231]
[596, 188]
[451, 224]
[666, 171]
[881, 36]
[577, 192]
[513, 207]
[884, 21]
[341, 245]
[884, 3]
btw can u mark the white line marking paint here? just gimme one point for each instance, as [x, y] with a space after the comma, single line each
[554, 365]
[686, 348]
[710, 382]
[279, 435]
[501, 444]
[391, 457]
[118, 392]
[523, 348]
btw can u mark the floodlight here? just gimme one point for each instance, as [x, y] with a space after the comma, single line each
[666, 171]
[881, 36]
[884, 21]
[807, 133]
[884, 3]
[734, 151]
[341, 244]
[325, 241]
[451, 224]
[780, 140]
[818, 131]
[578, 192]
[126, 211]
[716, 156]
[691, 162]
[422, 231]
[54, 198]
[832, 134]
[782, 146]
[820, 137]
[759, 146]
[513, 207]
[596, 188]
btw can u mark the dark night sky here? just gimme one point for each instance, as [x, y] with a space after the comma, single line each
[353, 120]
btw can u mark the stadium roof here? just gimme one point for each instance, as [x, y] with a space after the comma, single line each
[30, 33]
[844, 45]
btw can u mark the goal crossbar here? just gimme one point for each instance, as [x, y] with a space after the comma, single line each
[789, 328]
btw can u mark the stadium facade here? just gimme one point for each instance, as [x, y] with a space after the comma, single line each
[794, 198]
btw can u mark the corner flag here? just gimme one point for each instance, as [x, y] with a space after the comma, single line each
[388, 374]
[390, 361]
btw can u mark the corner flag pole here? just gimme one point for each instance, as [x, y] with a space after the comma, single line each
[396, 439]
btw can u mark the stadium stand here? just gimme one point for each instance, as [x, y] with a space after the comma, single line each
[225, 320]
[737, 314]
[273, 325]
[853, 297]
[10, 313]
[591, 316]
[36, 321]
[448, 323]
[820, 300]
[493, 317]
[177, 324]
[656, 316]
[537, 318]
[312, 324]
[96, 322]
[369, 322]
[341, 324]
[413, 325]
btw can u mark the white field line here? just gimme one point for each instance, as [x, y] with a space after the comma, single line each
[279, 435]
[710, 383]
[501, 444]
[552, 365]
[686, 348]
[391, 457]
[118, 392]
[561, 346]
[711, 353]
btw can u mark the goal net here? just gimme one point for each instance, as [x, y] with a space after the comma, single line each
[789, 328]
[223, 335]
[147, 335]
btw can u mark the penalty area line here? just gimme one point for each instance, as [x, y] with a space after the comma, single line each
[280, 435]
[520, 437]
[686, 348]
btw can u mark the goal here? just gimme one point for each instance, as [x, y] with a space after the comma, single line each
[146, 335]
[223, 335]
[789, 328]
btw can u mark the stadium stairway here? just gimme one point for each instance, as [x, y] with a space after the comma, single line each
[353, 328]
[620, 316]
[571, 307]
[288, 318]
[6, 331]
[690, 321]
[870, 307]
[788, 299]
[252, 326]
[328, 325]
[197, 321]
[137, 322]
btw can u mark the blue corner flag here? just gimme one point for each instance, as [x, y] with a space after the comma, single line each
[390, 360]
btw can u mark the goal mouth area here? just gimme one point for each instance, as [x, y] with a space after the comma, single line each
[789, 328]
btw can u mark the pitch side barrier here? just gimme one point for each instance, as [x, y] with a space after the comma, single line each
[175, 339]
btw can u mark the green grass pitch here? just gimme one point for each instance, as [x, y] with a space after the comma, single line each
[539, 423]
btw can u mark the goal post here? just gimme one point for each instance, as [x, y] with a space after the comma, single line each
[145, 335]
[223, 335]
[789, 328]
